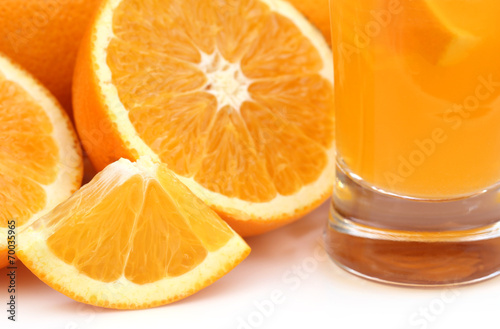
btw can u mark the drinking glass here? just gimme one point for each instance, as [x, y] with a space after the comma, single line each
[417, 194]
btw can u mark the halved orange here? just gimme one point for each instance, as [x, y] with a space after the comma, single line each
[235, 96]
[40, 157]
[134, 237]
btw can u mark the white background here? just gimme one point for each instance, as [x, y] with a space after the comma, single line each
[324, 296]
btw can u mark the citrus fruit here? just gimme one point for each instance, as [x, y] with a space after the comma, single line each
[134, 237]
[457, 14]
[43, 36]
[235, 97]
[40, 157]
[441, 43]
[431, 34]
[318, 13]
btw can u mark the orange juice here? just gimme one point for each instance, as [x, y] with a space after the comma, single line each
[417, 94]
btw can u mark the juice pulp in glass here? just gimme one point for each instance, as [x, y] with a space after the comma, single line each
[417, 94]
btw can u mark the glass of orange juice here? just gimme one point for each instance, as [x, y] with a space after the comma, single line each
[417, 85]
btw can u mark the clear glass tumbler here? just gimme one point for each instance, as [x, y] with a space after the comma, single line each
[417, 194]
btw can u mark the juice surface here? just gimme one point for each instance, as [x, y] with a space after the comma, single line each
[417, 94]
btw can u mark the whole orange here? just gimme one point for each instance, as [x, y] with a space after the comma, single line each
[43, 36]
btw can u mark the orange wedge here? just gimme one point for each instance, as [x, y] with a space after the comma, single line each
[440, 42]
[234, 96]
[134, 237]
[40, 157]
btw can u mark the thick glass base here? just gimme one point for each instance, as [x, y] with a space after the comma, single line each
[438, 249]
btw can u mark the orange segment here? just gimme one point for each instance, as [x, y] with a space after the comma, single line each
[231, 165]
[288, 96]
[297, 54]
[290, 167]
[36, 156]
[212, 232]
[172, 248]
[177, 129]
[241, 23]
[173, 79]
[20, 198]
[13, 96]
[161, 35]
[26, 142]
[138, 82]
[134, 237]
[40, 159]
[204, 14]
[80, 239]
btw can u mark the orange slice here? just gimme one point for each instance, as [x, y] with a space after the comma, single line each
[236, 97]
[457, 15]
[40, 157]
[431, 34]
[134, 237]
[440, 42]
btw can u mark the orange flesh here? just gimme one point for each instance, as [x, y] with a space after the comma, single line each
[415, 81]
[274, 143]
[142, 223]
[28, 154]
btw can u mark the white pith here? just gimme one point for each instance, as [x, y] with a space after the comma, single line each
[281, 206]
[69, 167]
[226, 81]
